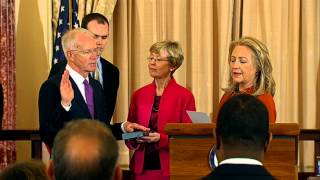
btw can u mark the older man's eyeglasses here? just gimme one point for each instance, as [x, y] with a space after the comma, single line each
[87, 52]
[157, 59]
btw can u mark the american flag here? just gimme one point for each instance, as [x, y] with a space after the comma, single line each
[63, 26]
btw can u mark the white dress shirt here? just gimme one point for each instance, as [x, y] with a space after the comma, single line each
[78, 79]
[241, 161]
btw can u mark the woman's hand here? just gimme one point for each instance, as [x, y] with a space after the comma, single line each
[152, 137]
[130, 127]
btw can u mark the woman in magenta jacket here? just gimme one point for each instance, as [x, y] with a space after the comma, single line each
[154, 105]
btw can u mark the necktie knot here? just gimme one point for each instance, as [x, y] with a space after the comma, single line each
[89, 97]
[85, 82]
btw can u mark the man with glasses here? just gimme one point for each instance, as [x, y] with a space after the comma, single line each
[73, 94]
[106, 73]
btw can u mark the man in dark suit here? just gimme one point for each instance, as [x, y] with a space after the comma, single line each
[242, 137]
[106, 73]
[73, 94]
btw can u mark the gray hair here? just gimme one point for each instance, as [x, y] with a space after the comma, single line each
[69, 39]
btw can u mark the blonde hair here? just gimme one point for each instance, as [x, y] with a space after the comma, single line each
[264, 82]
[174, 50]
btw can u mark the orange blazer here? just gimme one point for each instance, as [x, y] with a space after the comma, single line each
[266, 99]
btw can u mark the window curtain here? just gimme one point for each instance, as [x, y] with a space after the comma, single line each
[203, 28]
[289, 28]
[7, 78]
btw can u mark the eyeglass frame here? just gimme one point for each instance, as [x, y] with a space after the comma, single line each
[86, 52]
[158, 59]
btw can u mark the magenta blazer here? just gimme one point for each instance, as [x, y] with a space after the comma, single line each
[174, 103]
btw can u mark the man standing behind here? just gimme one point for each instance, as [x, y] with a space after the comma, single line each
[107, 74]
[73, 94]
[242, 137]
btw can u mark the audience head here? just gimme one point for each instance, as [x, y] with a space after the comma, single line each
[84, 149]
[168, 52]
[98, 24]
[250, 65]
[28, 170]
[80, 50]
[242, 128]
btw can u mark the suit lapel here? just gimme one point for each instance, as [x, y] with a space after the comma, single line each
[78, 98]
[149, 100]
[97, 98]
[106, 74]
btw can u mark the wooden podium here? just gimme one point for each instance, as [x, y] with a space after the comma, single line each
[190, 145]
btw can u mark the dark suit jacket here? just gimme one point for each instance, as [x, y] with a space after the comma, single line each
[53, 116]
[239, 172]
[110, 75]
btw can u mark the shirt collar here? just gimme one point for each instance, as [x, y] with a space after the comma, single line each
[78, 79]
[241, 161]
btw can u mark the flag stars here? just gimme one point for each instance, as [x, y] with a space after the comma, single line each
[63, 25]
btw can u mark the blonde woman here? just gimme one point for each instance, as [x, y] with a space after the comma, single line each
[250, 72]
[154, 105]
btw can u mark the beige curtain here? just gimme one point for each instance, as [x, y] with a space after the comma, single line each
[203, 28]
[105, 7]
[276, 23]
[290, 29]
[309, 70]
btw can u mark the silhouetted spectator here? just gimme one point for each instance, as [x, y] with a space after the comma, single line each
[242, 137]
[28, 170]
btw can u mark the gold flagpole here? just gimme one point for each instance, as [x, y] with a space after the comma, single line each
[70, 14]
